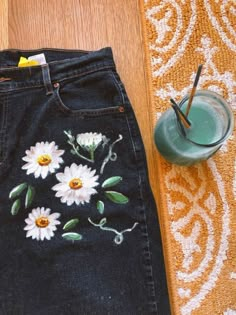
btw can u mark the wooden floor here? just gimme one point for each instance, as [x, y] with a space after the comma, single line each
[89, 25]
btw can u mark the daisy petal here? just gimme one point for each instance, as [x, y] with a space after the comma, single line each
[54, 216]
[44, 172]
[61, 177]
[61, 186]
[37, 173]
[29, 227]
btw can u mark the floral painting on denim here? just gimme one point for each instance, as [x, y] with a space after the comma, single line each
[76, 185]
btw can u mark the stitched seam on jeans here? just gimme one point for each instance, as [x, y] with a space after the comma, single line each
[102, 112]
[118, 87]
[85, 113]
[7, 90]
[55, 80]
[80, 74]
[148, 262]
[3, 130]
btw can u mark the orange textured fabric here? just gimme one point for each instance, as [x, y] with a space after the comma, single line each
[197, 202]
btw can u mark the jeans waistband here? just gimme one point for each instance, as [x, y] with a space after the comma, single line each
[61, 64]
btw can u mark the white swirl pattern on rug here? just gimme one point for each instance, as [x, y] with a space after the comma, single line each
[219, 25]
[162, 26]
[190, 244]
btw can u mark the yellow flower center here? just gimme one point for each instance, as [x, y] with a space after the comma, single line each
[42, 222]
[76, 183]
[44, 159]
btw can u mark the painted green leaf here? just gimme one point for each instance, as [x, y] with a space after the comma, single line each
[15, 207]
[71, 236]
[116, 197]
[111, 181]
[70, 224]
[100, 206]
[29, 196]
[16, 191]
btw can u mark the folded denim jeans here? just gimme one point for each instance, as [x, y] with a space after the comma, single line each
[79, 231]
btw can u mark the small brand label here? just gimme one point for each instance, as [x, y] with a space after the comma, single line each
[32, 61]
[40, 58]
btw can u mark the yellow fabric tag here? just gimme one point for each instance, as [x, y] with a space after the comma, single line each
[24, 62]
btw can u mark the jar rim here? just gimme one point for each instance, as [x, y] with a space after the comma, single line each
[227, 109]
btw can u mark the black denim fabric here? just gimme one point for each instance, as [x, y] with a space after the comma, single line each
[105, 256]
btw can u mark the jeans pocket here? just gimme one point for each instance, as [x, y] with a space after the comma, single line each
[92, 93]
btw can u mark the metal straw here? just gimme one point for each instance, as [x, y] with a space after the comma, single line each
[181, 115]
[193, 89]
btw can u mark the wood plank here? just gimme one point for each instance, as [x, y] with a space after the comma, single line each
[3, 24]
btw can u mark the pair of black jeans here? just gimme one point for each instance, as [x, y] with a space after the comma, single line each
[79, 232]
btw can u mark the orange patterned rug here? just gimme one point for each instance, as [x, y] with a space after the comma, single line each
[197, 203]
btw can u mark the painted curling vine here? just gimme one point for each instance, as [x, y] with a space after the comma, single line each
[119, 238]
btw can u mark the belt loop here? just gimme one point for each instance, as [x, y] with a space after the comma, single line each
[47, 79]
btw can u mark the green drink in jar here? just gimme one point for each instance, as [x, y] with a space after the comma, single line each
[211, 121]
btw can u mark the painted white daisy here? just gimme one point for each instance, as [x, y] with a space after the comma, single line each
[76, 184]
[42, 159]
[89, 140]
[41, 224]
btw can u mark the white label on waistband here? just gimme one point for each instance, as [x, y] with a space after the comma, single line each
[40, 58]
